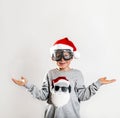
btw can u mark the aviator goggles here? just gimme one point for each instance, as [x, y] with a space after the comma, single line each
[58, 54]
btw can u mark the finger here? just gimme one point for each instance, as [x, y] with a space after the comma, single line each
[110, 81]
[14, 80]
[104, 78]
[113, 80]
[23, 79]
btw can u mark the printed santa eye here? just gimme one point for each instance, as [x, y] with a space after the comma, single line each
[57, 88]
[64, 89]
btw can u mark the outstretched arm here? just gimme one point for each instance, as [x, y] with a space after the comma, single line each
[39, 93]
[85, 93]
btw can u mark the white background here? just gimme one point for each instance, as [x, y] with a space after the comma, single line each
[28, 28]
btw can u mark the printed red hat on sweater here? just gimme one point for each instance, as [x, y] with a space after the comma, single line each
[65, 43]
[60, 79]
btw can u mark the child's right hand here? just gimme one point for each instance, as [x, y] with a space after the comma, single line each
[21, 82]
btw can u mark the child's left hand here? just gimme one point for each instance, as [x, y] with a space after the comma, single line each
[104, 80]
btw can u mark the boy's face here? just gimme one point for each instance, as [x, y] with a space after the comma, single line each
[63, 57]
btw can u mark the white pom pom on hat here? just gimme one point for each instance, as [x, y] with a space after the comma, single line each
[65, 43]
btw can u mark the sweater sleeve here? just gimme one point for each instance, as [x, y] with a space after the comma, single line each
[39, 93]
[85, 93]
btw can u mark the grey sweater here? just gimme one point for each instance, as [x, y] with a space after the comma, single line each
[72, 87]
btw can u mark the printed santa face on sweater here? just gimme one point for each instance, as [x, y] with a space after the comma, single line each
[60, 91]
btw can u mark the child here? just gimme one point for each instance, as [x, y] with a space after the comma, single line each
[63, 88]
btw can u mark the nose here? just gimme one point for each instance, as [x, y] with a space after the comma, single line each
[60, 90]
[62, 59]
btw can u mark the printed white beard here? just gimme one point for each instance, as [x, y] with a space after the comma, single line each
[59, 99]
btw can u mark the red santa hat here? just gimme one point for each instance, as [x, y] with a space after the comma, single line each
[65, 43]
[60, 79]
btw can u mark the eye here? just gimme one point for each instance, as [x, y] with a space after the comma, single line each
[58, 54]
[66, 54]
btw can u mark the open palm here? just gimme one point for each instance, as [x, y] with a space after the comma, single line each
[21, 82]
[104, 80]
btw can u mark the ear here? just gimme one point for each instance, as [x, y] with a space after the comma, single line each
[69, 88]
[52, 58]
